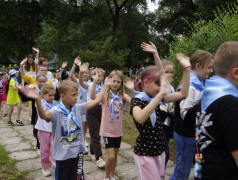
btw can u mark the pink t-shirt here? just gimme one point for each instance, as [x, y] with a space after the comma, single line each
[109, 127]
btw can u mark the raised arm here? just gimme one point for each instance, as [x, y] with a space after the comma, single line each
[77, 61]
[100, 95]
[22, 71]
[83, 69]
[141, 115]
[36, 59]
[183, 93]
[95, 79]
[129, 84]
[151, 48]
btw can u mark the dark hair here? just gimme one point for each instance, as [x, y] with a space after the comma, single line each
[27, 64]
[8, 82]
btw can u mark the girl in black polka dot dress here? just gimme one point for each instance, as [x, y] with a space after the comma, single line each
[149, 152]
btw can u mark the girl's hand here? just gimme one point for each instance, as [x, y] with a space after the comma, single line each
[30, 91]
[65, 63]
[35, 49]
[95, 75]
[77, 61]
[108, 81]
[129, 83]
[148, 47]
[84, 67]
[23, 61]
[184, 60]
[163, 85]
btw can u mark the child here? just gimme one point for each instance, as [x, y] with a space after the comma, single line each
[112, 117]
[13, 97]
[94, 116]
[45, 129]
[185, 112]
[82, 95]
[217, 155]
[68, 140]
[149, 147]
[3, 96]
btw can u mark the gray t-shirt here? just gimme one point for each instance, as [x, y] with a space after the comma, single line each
[66, 146]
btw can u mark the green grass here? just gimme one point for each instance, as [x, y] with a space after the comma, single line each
[8, 170]
[130, 133]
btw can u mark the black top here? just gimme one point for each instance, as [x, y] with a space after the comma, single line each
[150, 141]
[218, 138]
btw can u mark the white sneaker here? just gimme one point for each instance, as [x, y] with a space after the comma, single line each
[86, 143]
[113, 178]
[46, 172]
[100, 163]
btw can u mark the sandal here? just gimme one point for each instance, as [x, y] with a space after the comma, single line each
[19, 123]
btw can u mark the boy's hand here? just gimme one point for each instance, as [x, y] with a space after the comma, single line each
[30, 91]
[23, 61]
[77, 61]
[149, 47]
[108, 81]
[184, 60]
[35, 49]
[129, 83]
[65, 63]
[84, 67]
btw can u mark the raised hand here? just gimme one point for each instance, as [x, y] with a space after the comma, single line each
[84, 67]
[184, 60]
[35, 49]
[108, 81]
[95, 75]
[163, 85]
[29, 91]
[23, 61]
[148, 47]
[65, 63]
[77, 61]
[129, 83]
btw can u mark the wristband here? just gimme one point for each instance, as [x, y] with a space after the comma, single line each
[186, 67]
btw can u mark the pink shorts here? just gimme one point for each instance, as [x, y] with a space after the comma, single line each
[150, 167]
[3, 97]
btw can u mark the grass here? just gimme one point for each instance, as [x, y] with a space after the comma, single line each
[8, 170]
[130, 133]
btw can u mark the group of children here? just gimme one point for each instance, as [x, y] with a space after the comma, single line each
[203, 126]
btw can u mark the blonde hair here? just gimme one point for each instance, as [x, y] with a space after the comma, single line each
[121, 89]
[166, 62]
[226, 58]
[201, 57]
[46, 88]
[67, 85]
[41, 75]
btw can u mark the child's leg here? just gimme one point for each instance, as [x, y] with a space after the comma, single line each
[18, 111]
[148, 167]
[1, 108]
[110, 162]
[44, 139]
[11, 108]
[85, 127]
[115, 163]
[53, 163]
[4, 107]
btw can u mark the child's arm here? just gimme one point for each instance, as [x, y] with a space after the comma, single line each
[77, 61]
[95, 79]
[100, 95]
[235, 156]
[31, 92]
[129, 84]
[22, 71]
[152, 49]
[141, 115]
[83, 69]
[36, 59]
[183, 93]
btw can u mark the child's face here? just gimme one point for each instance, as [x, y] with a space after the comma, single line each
[49, 96]
[116, 83]
[43, 70]
[205, 71]
[30, 61]
[16, 75]
[40, 81]
[70, 97]
[152, 88]
[169, 70]
[100, 77]
[85, 75]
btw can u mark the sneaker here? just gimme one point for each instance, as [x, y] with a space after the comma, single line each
[10, 123]
[100, 163]
[113, 178]
[46, 172]
[86, 152]
[92, 156]
[19, 123]
[86, 144]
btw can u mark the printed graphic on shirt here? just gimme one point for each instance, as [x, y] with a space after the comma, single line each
[71, 138]
[116, 110]
[203, 139]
